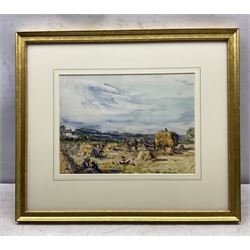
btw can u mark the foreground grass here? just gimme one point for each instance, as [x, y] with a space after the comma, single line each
[164, 164]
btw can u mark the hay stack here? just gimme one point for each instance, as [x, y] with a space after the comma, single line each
[85, 150]
[145, 156]
[164, 138]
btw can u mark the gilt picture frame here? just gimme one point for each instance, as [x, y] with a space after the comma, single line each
[128, 126]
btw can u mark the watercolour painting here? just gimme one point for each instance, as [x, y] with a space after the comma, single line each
[127, 124]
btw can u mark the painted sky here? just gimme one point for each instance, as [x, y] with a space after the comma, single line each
[128, 103]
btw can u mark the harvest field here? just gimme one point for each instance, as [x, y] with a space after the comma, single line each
[118, 158]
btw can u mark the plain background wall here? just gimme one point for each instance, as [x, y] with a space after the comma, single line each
[9, 24]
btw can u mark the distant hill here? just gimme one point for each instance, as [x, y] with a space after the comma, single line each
[111, 136]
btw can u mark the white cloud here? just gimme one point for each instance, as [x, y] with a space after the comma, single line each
[132, 103]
